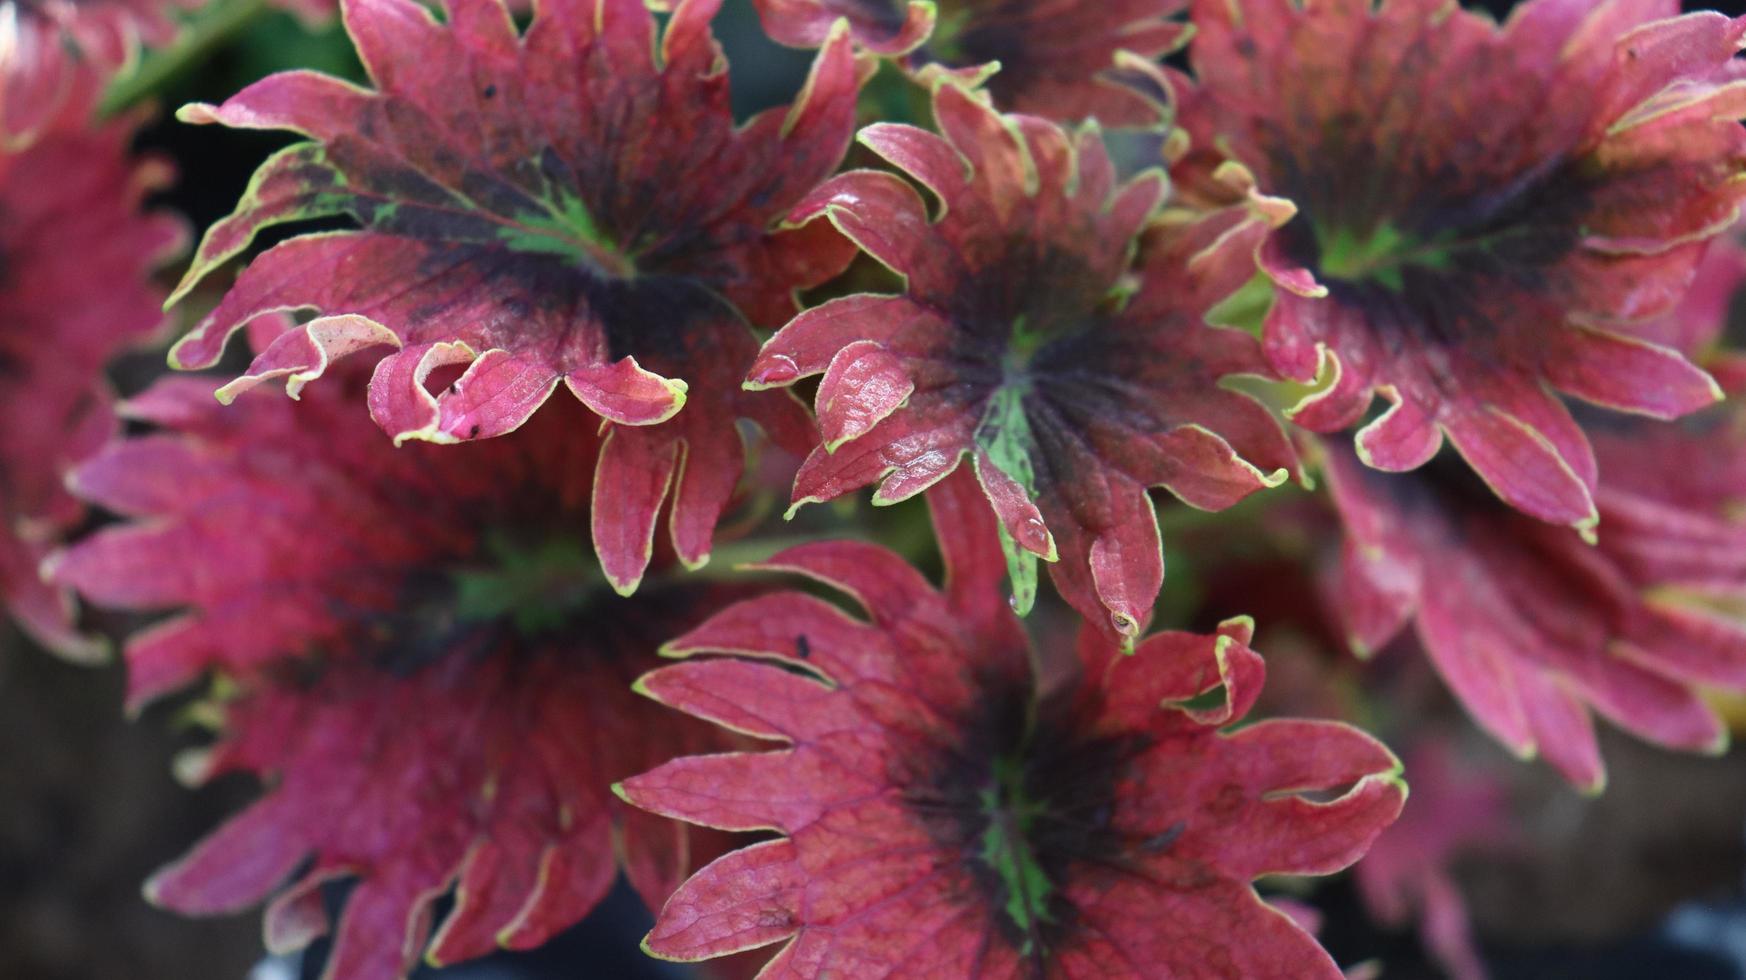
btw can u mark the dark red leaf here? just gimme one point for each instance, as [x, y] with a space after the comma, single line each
[1032, 339]
[1407, 876]
[1487, 209]
[1063, 61]
[1532, 627]
[427, 668]
[570, 206]
[76, 256]
[942, 816]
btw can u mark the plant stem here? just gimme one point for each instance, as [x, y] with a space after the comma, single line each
[212, 28]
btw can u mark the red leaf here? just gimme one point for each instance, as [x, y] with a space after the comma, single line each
[943, 816]
[488, 775]
[864, 385]
[1408, 874]
[430, 674]
[1533, 628]
[1477, 252]
[76, 256]
[1018, 341]
[564, 206]
[1695, 326]
[1054, 61]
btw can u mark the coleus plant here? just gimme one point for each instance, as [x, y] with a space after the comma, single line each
[70, 214]
[418, 656]
[1531, 626]
[1053, 330]
[570, 206]
[1463, 248]
[408, 592]
[945, 812]
[1407, 874]
[1034, 55]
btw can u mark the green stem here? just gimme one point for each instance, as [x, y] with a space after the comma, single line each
[214, 26]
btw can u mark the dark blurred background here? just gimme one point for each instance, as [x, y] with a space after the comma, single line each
[1644, 882]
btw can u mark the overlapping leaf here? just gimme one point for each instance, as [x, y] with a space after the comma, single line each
[76, 256]
[1486, 208]
[1060, 60]
[942, 816]
[1534, 629]
[1408, 874]
[426, 668]
[571, 206]
[485, 775]
[1031, 339]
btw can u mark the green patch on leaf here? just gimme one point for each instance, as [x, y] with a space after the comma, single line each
[568, 228]
[1022, 348]
[1378, 255]
[1006, 848]
[1005, 436]
[1350, 256]
[538, 587]
[1382, 255]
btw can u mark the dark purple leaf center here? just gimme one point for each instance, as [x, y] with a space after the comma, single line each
[1427, 232]
[510, 593]
[1025, 799]
[549, 305]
